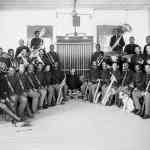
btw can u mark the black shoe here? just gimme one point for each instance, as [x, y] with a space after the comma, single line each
[146, 117]
[138, 112]
[45, 107]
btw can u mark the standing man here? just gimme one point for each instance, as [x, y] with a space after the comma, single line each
[53, 56]
[117, 41]
[97, 56]
[130, 48]
[36, 42]
[138, 84]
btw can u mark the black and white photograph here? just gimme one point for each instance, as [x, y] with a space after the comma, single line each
[75, 74]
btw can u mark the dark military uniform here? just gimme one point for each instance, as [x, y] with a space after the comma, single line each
[42, 90]
[119, 47]
[36, 42]
[130, 49]
[97, 57]
[15, 90]
[147, 96]
[93, 76]
[139, 84]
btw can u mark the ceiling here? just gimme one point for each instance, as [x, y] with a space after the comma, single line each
[54, 4]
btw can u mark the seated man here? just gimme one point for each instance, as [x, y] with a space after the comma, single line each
[59, 84]
[13, 88]
[48, 85]
[5, 103]
[138, 84]
[146, 93]
[112, 89]
[125, 88]
[94, 75]
[34, 85]
[41, 79]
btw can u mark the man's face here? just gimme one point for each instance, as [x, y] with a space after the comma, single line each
[51, 47]
[30, 68]
[24, 52]
[147, 69]
[132, 40]
[40, 67]
[137, 50]
[97, 47]
[104, 65]
[137, 68]
[11, 53]
[37, 34]
[11, 71]
[148, 39]
[125, 66]
[21, 68]
[148, 50]
[47, 68]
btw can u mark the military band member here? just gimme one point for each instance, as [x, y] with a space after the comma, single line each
[4, 101]
[41, 80]
[138, 57]
[105, 77]
[36, 42]
[116, 78]
[97, 56]
[116, 36]
[73, 81]
[130, 48]
[146, 93]
[94, 75]
[53, 56]
[15, 92]
[33, 92]
[57, 78]
[138, 84]
[48, 84]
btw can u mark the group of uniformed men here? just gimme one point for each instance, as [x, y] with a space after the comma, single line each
[28, 85]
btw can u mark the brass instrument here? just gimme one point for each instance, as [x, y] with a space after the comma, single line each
[122, 30]
[107, 94]
[97, 94]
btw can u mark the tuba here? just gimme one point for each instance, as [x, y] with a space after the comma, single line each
[122, 30]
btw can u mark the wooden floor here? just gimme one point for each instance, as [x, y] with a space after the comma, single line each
[79, 126]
